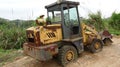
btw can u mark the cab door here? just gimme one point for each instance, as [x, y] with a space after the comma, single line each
[71, 26]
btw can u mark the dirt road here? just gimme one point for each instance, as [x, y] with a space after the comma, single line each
[108, 57]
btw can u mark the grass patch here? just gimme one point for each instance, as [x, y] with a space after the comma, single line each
[9, 55]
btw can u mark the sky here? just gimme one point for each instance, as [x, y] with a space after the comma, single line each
[31, 9]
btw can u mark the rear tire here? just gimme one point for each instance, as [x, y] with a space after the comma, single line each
[96, 46]
[67, 54]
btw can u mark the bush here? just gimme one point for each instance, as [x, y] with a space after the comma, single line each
[12, 38]
[13, 34]
[115, 21]
[96, 20]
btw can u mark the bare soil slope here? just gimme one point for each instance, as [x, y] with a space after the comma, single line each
[108, 57]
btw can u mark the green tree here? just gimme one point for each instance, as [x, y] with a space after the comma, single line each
[96, 20]
[115, 21]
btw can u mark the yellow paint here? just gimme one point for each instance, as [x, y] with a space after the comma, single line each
[45, 39]
[89, 32]
[46, 33]
[69, 55]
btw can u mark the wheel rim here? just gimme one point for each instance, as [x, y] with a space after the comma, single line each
[69, 55]
[97, 45]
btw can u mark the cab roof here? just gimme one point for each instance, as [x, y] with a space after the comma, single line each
[63, 2]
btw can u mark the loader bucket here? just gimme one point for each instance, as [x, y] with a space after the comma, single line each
[106, 37]
[106, 34]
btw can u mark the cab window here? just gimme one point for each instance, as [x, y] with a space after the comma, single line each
[71, 17]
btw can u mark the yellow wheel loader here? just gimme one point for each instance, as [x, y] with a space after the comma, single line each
[63, 35]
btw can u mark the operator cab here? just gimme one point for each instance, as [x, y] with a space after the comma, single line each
[66, 14]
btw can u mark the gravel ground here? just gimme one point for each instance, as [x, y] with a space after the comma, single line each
[108, 57]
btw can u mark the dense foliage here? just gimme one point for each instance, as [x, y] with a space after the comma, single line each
[115, 21]
[12, 33]
[112, 24]
[95, 20]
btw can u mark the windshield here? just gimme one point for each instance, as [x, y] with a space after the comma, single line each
[54, 16]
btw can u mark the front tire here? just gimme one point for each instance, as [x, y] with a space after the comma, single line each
[67, 54]
[96, 46]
